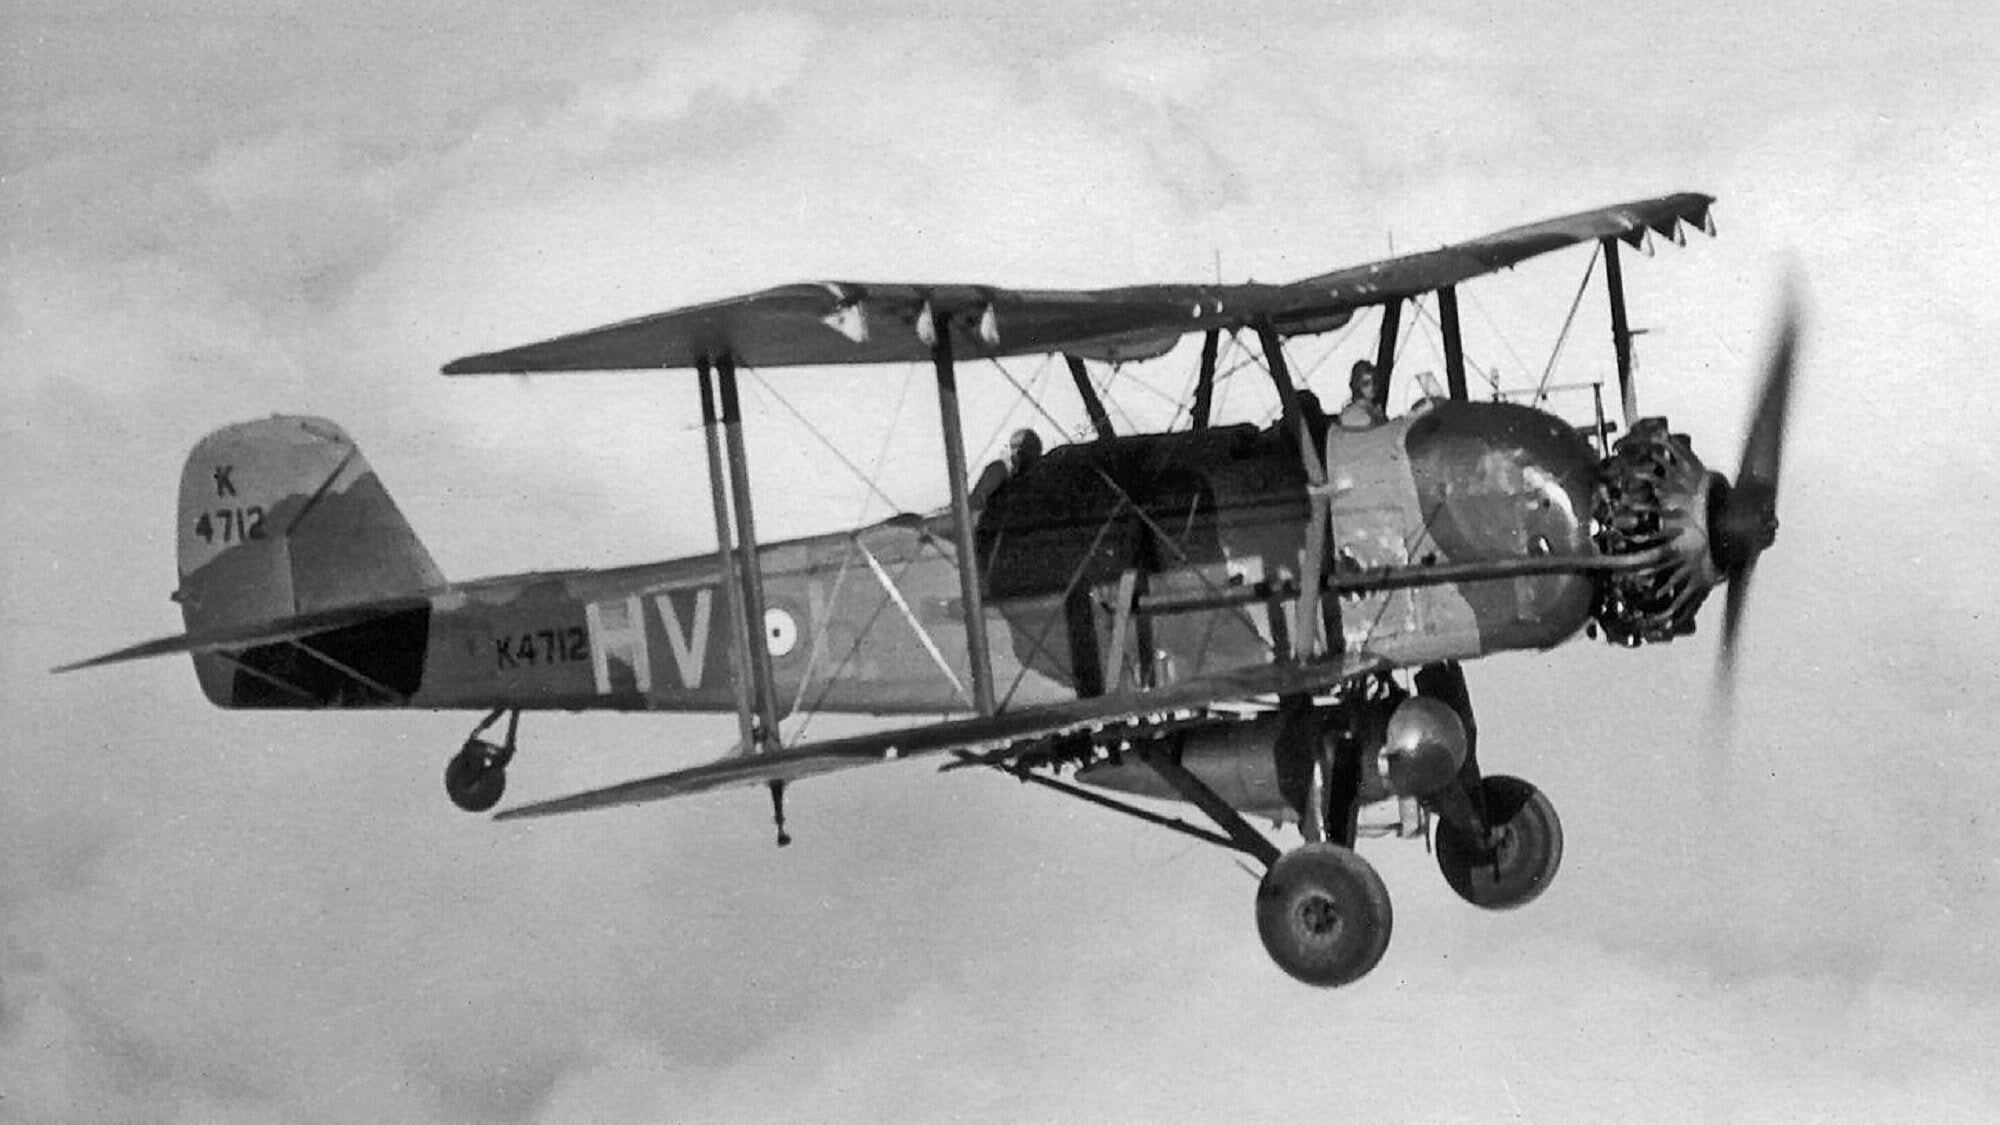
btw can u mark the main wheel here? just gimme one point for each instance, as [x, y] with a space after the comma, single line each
[1526, 851]
[1324, 915]
[475, 778]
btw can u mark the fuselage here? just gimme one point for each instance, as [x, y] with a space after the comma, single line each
[871, 621]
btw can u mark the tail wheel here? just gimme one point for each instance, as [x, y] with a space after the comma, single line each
[1519, 859]
[1324, 915]
[476, 776]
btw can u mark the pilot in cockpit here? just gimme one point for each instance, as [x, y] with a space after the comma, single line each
[1361, 411]
[1024, 448]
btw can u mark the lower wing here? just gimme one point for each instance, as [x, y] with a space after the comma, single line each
[1004, 732]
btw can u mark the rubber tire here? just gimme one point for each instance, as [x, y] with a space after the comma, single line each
[474, 781]
[1529, 854]
[1324, 915]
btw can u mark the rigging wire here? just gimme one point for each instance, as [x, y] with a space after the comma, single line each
[1025, 395]
[1472, 297]
[1178, 403]
[1124, 416]
[1227, 364]
[1306, 373]
[1430, 319]
[1076, 577]
[1186, 403]
[888, 437]
[820, 648]
[1225, 377]
[854, 649]
[1333, 345]
[1555, 352]
[823, 439]
[1035, 381]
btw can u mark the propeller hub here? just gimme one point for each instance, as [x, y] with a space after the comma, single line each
[1743, 519]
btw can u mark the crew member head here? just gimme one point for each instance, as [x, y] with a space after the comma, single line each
[1024, 448]
[1363, 381]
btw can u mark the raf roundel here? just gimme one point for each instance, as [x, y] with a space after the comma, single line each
[781, 633]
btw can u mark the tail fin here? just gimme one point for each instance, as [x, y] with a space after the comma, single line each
[282, 517]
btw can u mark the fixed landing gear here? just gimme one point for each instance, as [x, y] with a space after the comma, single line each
[1324, 914]
[476, 776]
[1498, 841]
[1517, 857]
[1322, 911]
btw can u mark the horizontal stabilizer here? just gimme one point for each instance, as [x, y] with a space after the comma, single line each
[251, 634]
[985, 732]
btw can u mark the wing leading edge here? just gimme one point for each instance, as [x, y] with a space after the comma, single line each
[1009, 728]
[842, 322]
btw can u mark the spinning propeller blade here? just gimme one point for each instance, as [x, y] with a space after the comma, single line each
[1744, 521]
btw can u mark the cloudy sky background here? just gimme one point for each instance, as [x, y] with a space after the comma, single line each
[213, 212]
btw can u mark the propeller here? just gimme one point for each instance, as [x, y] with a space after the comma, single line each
[1743, 516]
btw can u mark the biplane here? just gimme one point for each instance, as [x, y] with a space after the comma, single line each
[1263, 621]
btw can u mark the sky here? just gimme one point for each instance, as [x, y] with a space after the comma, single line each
[213, 212]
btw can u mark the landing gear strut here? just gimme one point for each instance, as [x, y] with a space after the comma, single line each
[1498, 840]
[477, 775]
[1322, 910]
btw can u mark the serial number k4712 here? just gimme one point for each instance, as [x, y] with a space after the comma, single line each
[543, 646]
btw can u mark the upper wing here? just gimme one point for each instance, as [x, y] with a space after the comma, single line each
[1009, 728]
[848, 322]
[1422, 272]
[839, 322]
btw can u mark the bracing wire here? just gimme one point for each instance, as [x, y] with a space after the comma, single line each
[822, 438]
[1555, 352]
[1026, 395]
[1035, 381]
[888, 437]
[1472, 298]
[1430, 319]
[1124, 416]
[1306, 372]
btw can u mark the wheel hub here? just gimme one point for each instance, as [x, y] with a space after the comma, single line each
[1319, 916]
